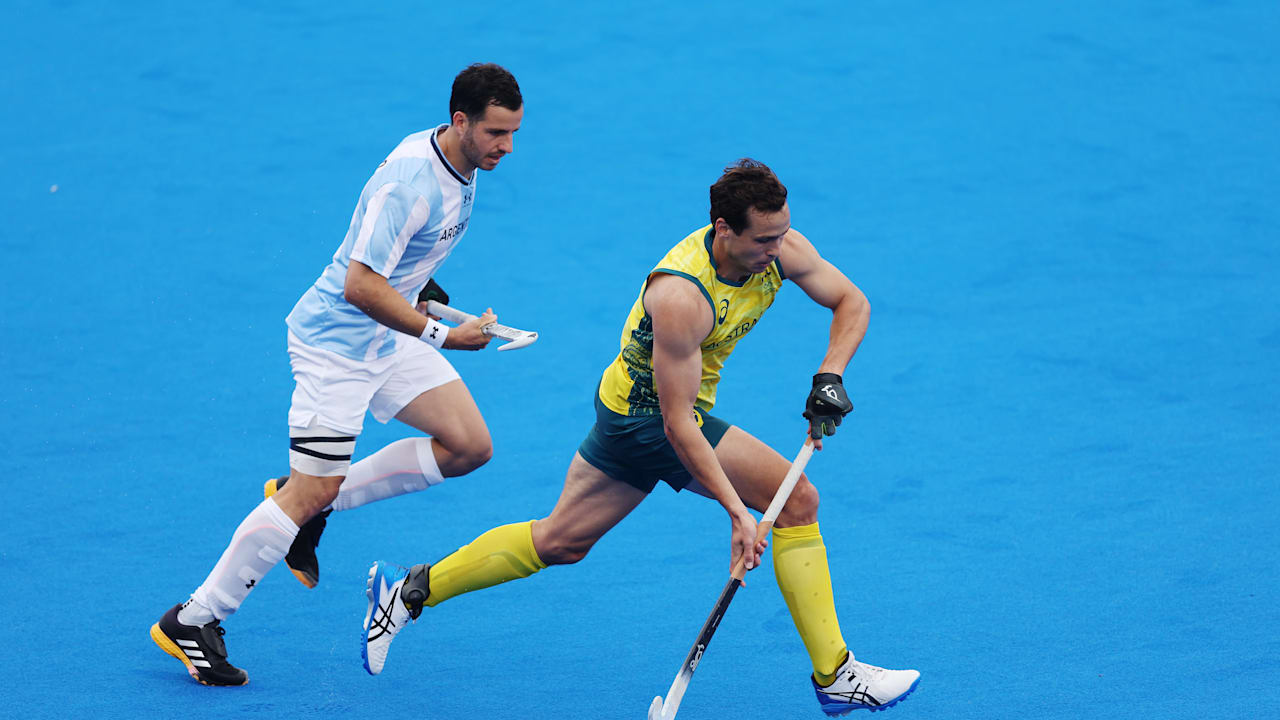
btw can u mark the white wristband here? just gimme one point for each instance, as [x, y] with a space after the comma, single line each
[435, 333]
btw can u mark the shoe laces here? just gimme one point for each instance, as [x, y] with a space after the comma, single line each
[381, 618]
[864, 673]
[214, 638]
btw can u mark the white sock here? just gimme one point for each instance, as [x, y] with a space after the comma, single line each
[404, 466]
[258, 544]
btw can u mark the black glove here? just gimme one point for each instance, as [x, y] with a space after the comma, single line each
[433, 291]
[827, 405]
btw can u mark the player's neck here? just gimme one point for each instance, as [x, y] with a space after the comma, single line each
[725, 266]
[451, 146]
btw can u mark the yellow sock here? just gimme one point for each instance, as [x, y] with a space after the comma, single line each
[504, 553]
[800, 564]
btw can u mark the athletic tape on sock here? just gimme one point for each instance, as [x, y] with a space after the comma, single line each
[320, 451]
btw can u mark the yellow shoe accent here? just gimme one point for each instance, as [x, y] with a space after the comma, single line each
[302, 578]
[167, 645]
[270, 488]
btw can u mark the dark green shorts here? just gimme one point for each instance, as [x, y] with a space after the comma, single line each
[635, 450]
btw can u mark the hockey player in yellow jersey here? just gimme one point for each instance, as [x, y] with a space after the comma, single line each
[653, 424]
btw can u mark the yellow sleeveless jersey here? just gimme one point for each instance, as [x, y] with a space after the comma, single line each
[627, 385]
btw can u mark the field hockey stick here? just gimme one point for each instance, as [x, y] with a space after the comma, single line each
[666, 709]
[515, 337]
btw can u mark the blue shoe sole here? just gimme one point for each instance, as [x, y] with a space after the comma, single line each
[840, 709]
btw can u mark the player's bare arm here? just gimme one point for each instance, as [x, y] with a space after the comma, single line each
[850, 313]
[681, 320]
[827, 286]
[375, 297]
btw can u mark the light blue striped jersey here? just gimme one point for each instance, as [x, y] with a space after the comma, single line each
[411, 215]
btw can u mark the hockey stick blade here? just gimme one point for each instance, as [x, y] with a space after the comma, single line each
[515, 337]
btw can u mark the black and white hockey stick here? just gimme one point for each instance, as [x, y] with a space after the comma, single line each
[515, 337]
[666, 709]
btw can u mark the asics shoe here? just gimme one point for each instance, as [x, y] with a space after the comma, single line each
[199, 648]
[858, 685]
[301, 557]
[395, 598]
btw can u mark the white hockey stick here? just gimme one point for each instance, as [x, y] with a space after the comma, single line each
[515, 338]
[666, 709]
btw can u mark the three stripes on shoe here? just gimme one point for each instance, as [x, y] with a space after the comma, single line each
[193, 651]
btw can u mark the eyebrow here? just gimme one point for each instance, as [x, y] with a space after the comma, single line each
[770, 237]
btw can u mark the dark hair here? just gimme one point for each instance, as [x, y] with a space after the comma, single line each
[744, 185]
[483, 84]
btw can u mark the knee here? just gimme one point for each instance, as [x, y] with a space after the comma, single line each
[472, 453]
[563, 553]
[311, 494]
[801, 507]
[323, 492]
[554, 549]
[477, 453]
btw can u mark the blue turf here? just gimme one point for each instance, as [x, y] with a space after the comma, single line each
[1057, 491]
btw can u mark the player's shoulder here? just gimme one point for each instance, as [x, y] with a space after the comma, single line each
[797, 255]
[412, 162]
[676, 296]
[692, 254]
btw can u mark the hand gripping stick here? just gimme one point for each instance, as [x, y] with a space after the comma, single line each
[666, 709]
[515, 338]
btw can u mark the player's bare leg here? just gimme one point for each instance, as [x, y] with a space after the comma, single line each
[590, 505]
[460, 438]
[800, 565]
[304, 496]
[458, 443]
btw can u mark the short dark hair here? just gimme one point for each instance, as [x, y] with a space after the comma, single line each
[744, 185]
[483, 84]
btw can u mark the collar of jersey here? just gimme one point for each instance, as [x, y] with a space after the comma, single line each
[712, 256]
[448, 165]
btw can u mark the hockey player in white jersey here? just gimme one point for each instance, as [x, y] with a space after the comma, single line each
[357, 343]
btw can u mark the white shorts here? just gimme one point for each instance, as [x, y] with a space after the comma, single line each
[334, 392]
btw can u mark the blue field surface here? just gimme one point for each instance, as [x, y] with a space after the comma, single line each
[1057, 495]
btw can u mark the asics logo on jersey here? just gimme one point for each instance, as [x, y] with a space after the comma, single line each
[724, 312]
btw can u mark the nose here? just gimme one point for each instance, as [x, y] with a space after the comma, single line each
[508, 144]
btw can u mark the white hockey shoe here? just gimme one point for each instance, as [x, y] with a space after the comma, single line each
[858, 686]
[395, 598]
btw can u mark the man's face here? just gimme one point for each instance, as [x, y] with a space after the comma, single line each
[760, 241]
[486, 140]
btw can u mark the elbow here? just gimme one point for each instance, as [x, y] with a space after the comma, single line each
[671, 430]
[353, 293]
[861, 305]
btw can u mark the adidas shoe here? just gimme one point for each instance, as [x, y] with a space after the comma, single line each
[858, 685]
[395, 598]
[301, 558]
[199, 648]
